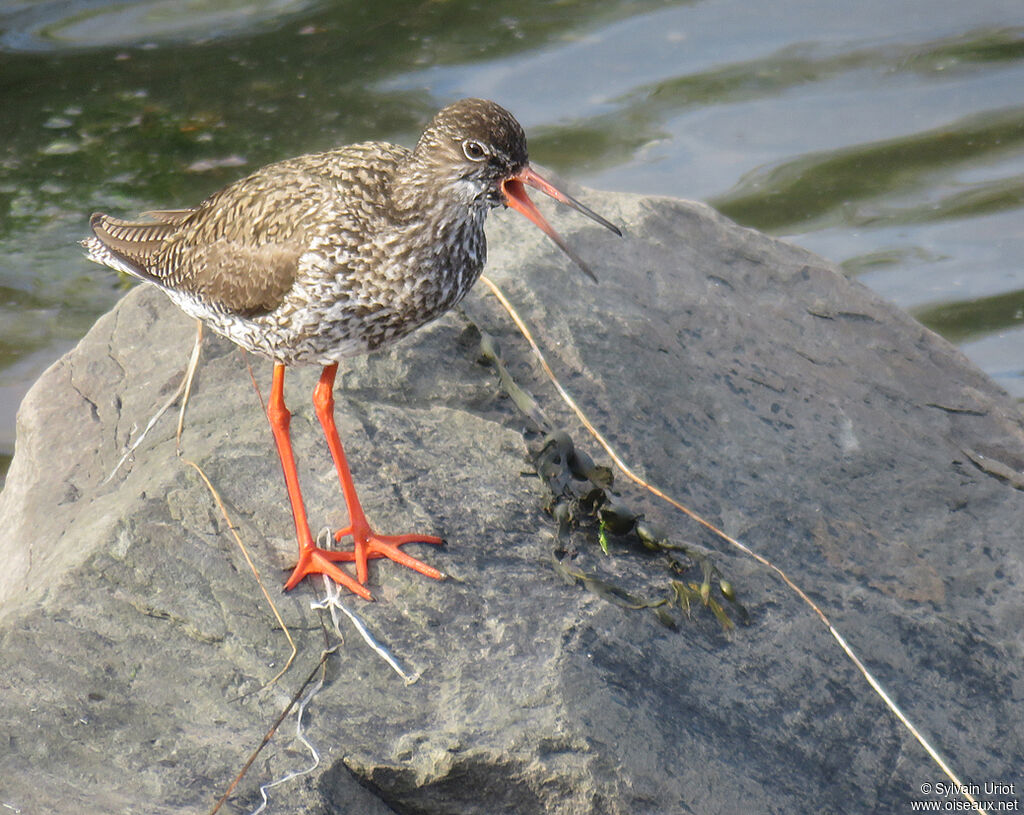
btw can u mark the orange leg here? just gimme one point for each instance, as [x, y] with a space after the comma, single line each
[312, 559]
[368, 544]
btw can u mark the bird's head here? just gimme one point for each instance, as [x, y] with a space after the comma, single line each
[480, 150]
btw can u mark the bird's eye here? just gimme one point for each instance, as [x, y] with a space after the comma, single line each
[474, 150]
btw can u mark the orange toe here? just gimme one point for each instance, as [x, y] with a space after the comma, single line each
[369, 545]
[315, 560]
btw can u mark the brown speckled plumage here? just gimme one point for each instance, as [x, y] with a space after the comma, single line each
[331, 254]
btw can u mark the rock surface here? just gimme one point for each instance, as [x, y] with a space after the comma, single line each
[745, 376]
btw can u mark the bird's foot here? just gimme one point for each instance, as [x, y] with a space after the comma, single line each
[317, 560]
[370, 545]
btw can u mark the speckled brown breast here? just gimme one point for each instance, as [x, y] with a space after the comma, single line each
[308, 260]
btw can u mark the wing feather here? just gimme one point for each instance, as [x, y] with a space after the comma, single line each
[240, 249]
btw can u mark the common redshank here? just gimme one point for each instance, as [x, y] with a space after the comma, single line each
[328, 255]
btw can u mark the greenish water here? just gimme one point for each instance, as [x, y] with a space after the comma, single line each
[888, 136]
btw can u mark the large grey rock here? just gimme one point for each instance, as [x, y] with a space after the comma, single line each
[746, 376]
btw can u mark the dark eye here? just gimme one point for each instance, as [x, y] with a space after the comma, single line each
[474, 150]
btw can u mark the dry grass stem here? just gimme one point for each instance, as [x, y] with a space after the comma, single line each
[245, 553]
[628, 472]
